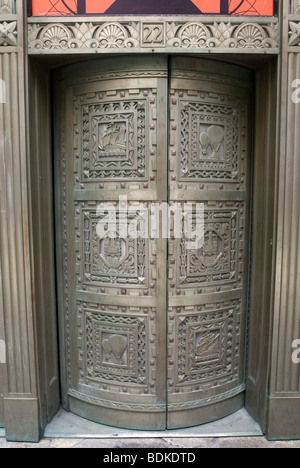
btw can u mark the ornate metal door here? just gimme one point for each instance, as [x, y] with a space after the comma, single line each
[152, 329]
[209, 165]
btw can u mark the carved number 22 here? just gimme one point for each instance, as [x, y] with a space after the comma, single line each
[153, 35]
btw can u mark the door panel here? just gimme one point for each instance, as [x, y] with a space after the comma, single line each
[208, 164]
[114, 136]
[152, 330]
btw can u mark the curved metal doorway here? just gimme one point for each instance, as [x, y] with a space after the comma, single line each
[152, 326]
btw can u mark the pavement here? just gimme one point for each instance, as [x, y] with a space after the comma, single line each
[157, 443]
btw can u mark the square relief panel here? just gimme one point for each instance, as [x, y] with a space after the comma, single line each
[208, 348]
[218, 259]
[115, 143]
[113, 259]
[115, 348]
[209, 140]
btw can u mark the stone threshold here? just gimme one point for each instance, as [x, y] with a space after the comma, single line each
[68, 425]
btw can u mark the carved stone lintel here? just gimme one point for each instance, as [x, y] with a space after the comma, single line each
[135, 35]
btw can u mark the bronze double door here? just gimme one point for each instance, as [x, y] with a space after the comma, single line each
[152, 328]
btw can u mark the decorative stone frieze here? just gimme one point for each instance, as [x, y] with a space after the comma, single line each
[87, 36]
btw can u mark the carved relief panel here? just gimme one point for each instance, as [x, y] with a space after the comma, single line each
[112, 128]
